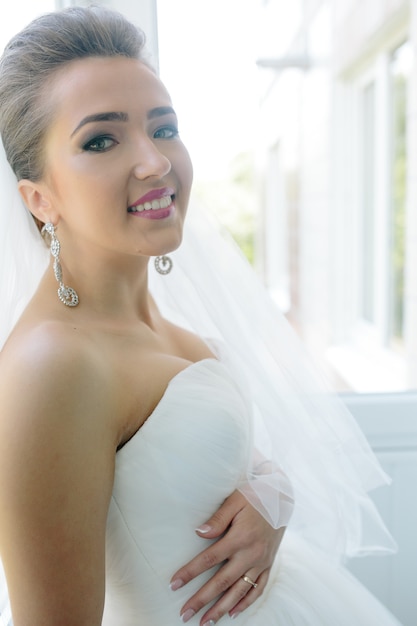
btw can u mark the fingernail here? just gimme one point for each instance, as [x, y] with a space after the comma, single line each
[205, 528]
[234, 616]
[210, 623]
[176, 584]
[189, 613]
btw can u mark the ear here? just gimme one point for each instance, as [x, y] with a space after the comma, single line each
[36, 198]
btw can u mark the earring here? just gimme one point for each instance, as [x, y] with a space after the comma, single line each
[163, 264]
[67, 295]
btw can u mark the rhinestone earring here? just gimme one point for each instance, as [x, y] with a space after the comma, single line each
[67, 295]
[163, 264]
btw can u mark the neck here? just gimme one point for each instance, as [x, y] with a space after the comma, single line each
[112, 290]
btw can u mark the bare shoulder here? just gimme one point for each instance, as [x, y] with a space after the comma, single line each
[47, 371]
[46, 344]
[57, 451]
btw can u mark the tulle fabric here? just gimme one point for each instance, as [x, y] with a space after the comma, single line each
[319, 457]
[306, 589]
[23, 255]
[190, 454]
[5, 609]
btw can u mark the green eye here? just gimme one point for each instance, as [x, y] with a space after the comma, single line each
[166, 132]
[99, 144]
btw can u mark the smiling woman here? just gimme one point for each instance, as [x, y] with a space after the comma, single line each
[93, 137]
[153, 440]
[122, 145]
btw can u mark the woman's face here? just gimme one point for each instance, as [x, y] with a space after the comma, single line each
[117, 175]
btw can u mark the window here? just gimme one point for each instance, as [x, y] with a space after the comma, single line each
[373, 354]
[399, 69]
[368, 277]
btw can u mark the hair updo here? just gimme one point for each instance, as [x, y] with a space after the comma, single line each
[30, 59]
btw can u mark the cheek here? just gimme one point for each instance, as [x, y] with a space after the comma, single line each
[57, 186]
[60, 179]
[72, 183]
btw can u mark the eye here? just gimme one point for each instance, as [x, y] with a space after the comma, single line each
[99, 144]
[166, 132]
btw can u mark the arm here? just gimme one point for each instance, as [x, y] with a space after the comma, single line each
[248, 548]
[56, 474]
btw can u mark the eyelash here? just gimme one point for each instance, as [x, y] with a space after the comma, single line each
[173, 130]
[160, 133]
[96, 140]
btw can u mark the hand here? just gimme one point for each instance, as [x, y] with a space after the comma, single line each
[248, 547]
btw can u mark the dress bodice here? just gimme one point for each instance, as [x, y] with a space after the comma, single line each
[188, 456]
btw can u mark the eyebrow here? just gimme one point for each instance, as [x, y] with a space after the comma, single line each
[119, 116]
[112, 116]
[159, 112]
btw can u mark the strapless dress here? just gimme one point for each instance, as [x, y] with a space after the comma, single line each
[188, 456]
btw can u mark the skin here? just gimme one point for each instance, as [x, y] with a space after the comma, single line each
[69, 385]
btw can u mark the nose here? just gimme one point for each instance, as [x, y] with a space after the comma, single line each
[150, 161]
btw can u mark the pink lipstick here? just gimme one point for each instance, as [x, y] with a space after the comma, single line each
[156, 204]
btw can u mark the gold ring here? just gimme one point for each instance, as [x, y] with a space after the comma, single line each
[250, 581]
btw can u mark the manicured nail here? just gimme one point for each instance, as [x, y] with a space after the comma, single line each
[189, 613]
[210, 623]
[234, 616]
[176, 584]
[205, 528]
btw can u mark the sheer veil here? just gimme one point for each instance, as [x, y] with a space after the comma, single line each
[319, 456]
[22, 252]
[317, 453]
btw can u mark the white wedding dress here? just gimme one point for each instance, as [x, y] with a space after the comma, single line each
[189, 455]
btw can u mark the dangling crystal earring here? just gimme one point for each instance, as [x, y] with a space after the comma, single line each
[163, 264]
[67, 295]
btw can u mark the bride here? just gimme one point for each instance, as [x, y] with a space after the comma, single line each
[156, 430]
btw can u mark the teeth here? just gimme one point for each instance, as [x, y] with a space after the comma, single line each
[165, 202]
[162, 203]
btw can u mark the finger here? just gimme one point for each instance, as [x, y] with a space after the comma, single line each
[236, 599]
[235, 561]
[252, 595]
[222, 518]
[206, 560]
[226, 588]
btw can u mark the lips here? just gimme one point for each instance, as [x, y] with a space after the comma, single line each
[154, 205]
[154, 200]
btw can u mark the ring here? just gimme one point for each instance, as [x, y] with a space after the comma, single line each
[250, 581]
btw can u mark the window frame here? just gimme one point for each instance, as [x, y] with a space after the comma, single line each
[361, 350]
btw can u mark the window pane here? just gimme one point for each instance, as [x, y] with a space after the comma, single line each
[399, 70]
[368, 204]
